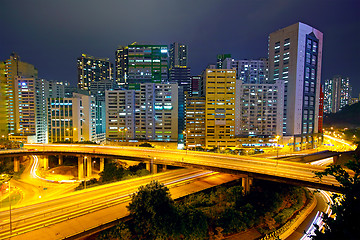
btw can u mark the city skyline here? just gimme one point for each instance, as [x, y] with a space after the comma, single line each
[52, 35]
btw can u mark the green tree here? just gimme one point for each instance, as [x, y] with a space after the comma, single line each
[154, 213]
[345, 207]
[146, 145]
[112, 172]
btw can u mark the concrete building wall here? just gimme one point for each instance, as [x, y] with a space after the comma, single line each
[219, 87]
[288, 54]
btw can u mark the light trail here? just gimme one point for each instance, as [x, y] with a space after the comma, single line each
[33, 173]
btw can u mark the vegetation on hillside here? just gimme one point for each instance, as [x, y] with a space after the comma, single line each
[115, 171]
[349, 117]
[208, 215]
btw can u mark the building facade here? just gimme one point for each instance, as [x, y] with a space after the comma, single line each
[261, 110]
[248, 71]
[195, 131]
[219, 86]
[14, 69]
[295, 54]
[72, 119]
[3, 103]
[147, 113]
[138, 63]
[178, 54]
[337, 93]
[91, 69]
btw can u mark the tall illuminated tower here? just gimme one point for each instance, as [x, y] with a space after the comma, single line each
[91, 69]
[138, 63]
[178, 55]
[14, 69]
[295, 54]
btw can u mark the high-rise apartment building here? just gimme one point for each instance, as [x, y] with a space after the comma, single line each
[72, 119]
[3, 103]
[14, 69]
[148, 113]
[295, 54]
[248, 71]
[178, 55]
[92, 69]
[195, 131]
[181, 76]
[138, 63]
[261, 110]
[337, 93]
[219, 87]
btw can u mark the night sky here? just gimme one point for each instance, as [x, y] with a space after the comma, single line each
[51, 34]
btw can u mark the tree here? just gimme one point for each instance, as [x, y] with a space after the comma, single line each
[112, 172]
[153, 212]
[146, 144]
[345, 207]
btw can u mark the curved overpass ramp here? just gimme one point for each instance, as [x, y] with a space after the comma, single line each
[261, 168]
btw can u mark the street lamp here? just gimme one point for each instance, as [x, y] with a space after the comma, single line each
[10, 205]
[277, 146]
[125, 134]
[186, 141]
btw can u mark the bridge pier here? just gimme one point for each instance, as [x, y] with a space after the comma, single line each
[154, 168]
[151, 167]
[88, 166]
[80, 167]
[102, 164]
[17, 164]
[61, 159]
[335, 159]
[246, 184]
[164, 168]
[46, 162]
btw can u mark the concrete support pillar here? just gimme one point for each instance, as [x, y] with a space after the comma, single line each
[88, 167]
[80, 167]
[154, 168]
[148, 167]
[46, 162]
[246, 184]
[335, 159]
[17, 164]
[102, 164]
[164, 168]
[61, 159]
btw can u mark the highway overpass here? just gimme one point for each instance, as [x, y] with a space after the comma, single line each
[254, 167]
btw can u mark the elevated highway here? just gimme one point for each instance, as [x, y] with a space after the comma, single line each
[254, 167]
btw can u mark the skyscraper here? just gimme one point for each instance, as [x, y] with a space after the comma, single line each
[92, 69]
[137, 64]
[178, 55]
[219, 86]
[3, 99]
[337, 93]
[295, 54]
[14, 69]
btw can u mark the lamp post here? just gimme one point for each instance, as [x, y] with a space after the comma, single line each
[186, 141]
[10, 206]
[277, 146]
[125, 134]
[85, 160]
